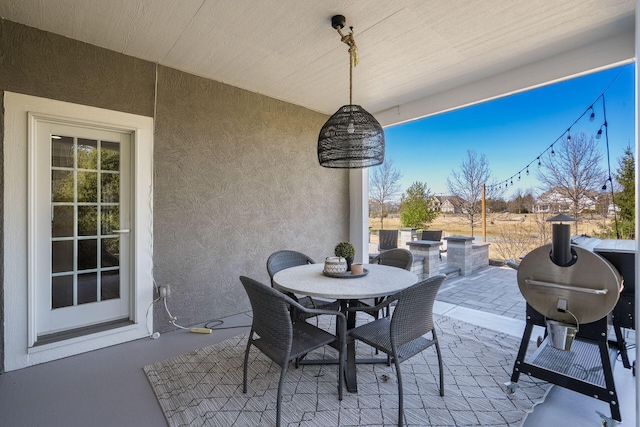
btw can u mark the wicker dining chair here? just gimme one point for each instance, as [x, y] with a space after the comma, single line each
[387, 239]
[402, 336]
[285, 259]
[400, 258]
[282, 340]
[433, 235]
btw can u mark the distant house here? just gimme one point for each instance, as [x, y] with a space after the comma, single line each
[449, 204]
[613, 209]
[552, 201]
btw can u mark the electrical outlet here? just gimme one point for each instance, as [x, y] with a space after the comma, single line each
[562, 305]
[165, 291]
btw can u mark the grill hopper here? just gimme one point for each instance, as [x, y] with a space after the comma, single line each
[590, 285]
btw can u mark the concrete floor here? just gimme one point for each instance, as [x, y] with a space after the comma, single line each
[108, 387]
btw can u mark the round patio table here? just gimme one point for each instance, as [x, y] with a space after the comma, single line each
[381, 281]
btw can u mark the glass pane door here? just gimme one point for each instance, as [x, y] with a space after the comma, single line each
[85, 189]
[88, 237]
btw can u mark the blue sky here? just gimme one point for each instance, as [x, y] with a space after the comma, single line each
[512, 131]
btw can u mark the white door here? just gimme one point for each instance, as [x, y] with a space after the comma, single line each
[82, 226]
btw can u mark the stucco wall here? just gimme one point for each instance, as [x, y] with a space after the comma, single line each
[236, 174]
[237, 177]
[42, 64]
[2, 239]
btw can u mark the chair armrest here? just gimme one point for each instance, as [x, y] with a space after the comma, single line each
[378, 307]
[317, 311]
[341, 319]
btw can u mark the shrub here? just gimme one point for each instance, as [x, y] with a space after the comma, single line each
[345, 250]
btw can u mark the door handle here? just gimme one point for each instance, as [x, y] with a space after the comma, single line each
[125, 231]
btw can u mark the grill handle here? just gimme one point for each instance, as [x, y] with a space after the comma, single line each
[566, 287]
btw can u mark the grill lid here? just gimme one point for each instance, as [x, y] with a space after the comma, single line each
[590, 285]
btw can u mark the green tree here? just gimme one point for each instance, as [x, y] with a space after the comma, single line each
[417, 208]
[496, 205]
[626, 198]
[521, 202]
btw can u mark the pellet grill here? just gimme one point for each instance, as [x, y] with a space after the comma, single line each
[574, 288]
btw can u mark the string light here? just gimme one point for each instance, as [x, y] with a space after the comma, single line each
[599, 134]
[590, 110]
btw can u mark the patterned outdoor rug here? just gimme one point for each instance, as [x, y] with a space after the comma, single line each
[204, 387]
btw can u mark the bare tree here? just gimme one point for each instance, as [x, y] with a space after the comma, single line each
[573, 170]
[467, 184]
[384, 187]
[539, 219]
[513, 241]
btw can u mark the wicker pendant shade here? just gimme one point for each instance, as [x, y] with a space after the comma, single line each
[352, 138]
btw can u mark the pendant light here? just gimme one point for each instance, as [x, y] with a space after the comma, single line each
[352, 138]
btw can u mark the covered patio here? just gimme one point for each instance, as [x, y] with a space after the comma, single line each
[108, 387]
[224, 102]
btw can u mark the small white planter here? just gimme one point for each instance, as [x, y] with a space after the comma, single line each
[335, 265]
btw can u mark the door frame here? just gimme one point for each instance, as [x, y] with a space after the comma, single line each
[19, 297]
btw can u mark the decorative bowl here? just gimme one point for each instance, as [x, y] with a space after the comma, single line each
[335, 265]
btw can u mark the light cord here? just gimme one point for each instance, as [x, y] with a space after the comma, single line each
[606, 136]
[350, 41]
[505, 183]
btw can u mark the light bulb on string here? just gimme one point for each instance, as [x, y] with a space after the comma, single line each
[552, 153]
[599, 134]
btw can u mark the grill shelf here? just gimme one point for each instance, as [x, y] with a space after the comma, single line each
[587, 368]
[582, 362]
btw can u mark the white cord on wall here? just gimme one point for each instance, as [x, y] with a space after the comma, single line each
[154, 335]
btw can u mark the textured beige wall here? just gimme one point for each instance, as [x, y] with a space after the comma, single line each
[237, 178]
[42, 64]
[236, 173]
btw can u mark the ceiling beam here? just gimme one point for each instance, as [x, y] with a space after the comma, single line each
[604, 54]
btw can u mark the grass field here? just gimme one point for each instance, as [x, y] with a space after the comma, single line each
[511, 235]
[459, 225]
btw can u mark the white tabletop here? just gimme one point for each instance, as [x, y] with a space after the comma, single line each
[382, 280]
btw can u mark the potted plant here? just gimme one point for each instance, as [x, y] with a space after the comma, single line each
[347, 251]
